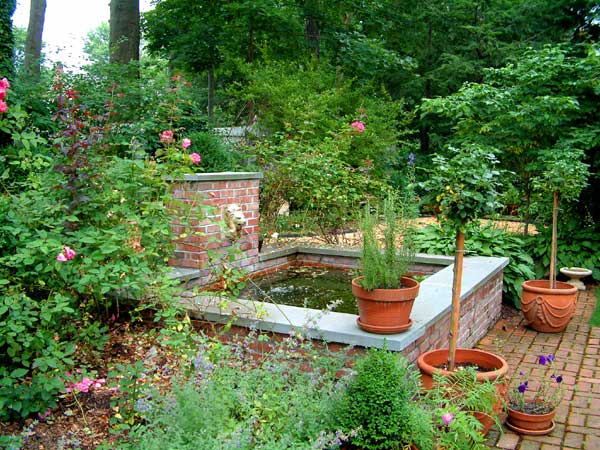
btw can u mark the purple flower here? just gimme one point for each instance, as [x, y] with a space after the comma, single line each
[542, 360]
[523, 387]
[550, 358]
[521, 373]
[559, 379]
[411, 158]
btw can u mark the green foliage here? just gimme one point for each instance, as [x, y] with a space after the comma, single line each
[315, 180]
[230, 403]
[484, 241]
[538, 120]
[216, 155]
[77, 236]
[383, 268]
[38, 340]
[595, 319]
[127, 380]
[455, 398]
[464, 185]
[577, 247]
[378, 404]
[7, 42]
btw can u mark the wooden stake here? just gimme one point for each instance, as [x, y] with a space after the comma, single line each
[456, 286]
[554, 239]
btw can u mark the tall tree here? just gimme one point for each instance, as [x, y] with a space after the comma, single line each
[7, 9]
[124, 38]
[33, 41]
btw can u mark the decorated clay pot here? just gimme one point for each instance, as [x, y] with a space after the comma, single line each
[545, 309]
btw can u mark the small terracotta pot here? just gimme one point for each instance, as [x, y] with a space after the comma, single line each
[385, 311]
[545, 309]
[430, 362]
[533, 424]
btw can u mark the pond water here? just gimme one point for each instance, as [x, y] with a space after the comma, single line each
[307, 287]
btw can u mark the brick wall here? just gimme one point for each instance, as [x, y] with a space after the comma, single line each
[205, 196]
[479, 311]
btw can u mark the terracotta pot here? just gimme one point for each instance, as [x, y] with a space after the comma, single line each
[531, 424]
[430, 362]
[545, 309]
[385, 311]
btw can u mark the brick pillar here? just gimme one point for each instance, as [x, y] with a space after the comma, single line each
[207, 195]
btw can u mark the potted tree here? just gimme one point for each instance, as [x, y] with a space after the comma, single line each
[385, 296]
[463, 187]
[548, 305]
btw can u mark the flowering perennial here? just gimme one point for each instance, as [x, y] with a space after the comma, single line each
[537, 397]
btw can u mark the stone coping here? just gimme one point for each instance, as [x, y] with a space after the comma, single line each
[420, 258]
[221, 176]
[434, 301]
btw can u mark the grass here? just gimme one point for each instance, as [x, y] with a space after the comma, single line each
[595, 319]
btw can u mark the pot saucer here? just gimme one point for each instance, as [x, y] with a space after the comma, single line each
[383, 330]
[530, 432]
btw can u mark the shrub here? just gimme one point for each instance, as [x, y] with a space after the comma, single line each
[316, 182]
[577, 247]
[484, 241]
[95, 230]
[229, 403]
[377, 405]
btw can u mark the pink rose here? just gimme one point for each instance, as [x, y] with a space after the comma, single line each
[4, 83]
[61, 257]
[186, 143]
[69, 252]
[3, 106]
[2, 93]
[166, 137]
[358, 126]
[447, 418]
[196, 158]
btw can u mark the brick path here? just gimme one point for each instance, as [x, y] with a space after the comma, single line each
[577, 352]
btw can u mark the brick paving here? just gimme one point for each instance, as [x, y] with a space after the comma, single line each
[577, 352]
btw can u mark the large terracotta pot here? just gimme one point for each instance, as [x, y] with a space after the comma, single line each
[430, 362]
[531, 424]
[385, 311]
[545, 309]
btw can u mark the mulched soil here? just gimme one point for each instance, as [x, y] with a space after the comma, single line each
[73, 427]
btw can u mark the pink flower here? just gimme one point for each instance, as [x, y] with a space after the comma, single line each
[447, 418]
[358, 126]
[3, 106]
[186, 143]
[69, 252]
[4, 83]
[61, 257]
[2, 93]
[196, 158]
[166, 137]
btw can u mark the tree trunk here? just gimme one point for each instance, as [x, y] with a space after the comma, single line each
[124, 38]
[211, 93]
[7, 41]
[33, 42]
[312, 35]
[456, 287]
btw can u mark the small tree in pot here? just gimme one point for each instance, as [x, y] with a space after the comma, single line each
[548, 305]
[464, 189]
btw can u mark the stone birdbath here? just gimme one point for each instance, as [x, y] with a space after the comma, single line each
[575, 274]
